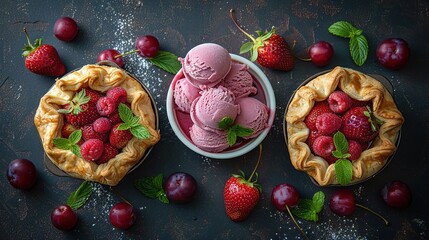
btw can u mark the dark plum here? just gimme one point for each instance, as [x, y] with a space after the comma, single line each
[321, 53]
[393, 53]
[180, 187]
[122, 215]
[63, 217]
[396, 194]
[147, 45]
[65, 29]
[21, 173]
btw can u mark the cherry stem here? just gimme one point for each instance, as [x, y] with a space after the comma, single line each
[257, 163]
[370, 210]
[120, 195]
[231, 14]
[296, 223]
[126, 53]
[28, 38]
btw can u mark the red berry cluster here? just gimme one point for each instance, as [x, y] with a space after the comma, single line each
[97, 115]
[340, 113]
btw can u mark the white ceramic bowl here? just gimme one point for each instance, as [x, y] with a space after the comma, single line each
[264, 85]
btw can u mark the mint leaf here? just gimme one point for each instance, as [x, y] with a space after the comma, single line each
[243, 131]
[343, 171]
[308, 209]
[62, 143]
[130, 121]
[166, 61]
[79, 197]
[125, 113]
[152, 187]
[75, 136]
[342, 29]
[225, 123]
[69, 143]
[340, 142]
[318, 201]
[359, 49]
[232, 137]
[140, 132]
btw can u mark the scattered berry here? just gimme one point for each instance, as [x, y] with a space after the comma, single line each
[318, 109]
[147, 45]
[393, 53]
[328, 123]
[119, 138]
[339, 101]
[357, 126]
[21, 173]
[109, 152]
[117, 94]
[106, 106]
[180, 187]
[64, 218]
[355, 150]
[323, 146]
[321, 53]
[122, 215]
[102, 125]
[111, 55]
[396, 194]
[92, 149]
[65, 29]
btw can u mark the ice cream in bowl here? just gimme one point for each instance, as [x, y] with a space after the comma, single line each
[220, 105]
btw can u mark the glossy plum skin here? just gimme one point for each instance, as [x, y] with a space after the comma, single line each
[21, 173]
[321, 53]
[180, 187]
[284, 194]
[393, 53]
[147, 45]
[109, 54]
[396, 194]
[64, 218]
[65, 29]
[122, 215]
[343, 202]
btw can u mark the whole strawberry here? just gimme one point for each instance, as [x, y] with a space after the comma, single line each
[360, 124]
[80, 110]
[119, 138]
[318, 109]
[42, 59]
[240, 195]
[269, 49]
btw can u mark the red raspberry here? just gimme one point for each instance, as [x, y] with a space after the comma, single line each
[102, 125]
[88, 132]
[92, 149]
[117, 94]
[339, 102]
[328, 123]
[311, 137]
[323, 146]
[106, 106]
[355, 150]
[318, 109]
[119, 138]
[109, 152]
[67, 129]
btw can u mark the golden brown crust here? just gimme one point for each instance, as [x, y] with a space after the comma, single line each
[358, 86]
[101, 78]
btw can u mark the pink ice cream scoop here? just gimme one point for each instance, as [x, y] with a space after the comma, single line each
[207, 140]
[239, 80]
[253, 115]
[206, 65]
[184, 94]
[212, 106]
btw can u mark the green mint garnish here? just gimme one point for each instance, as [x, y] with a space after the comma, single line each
[358, 44]
[343, 166]
[70, 143]
[131, 122]
[308, 209]
[166, 61]
[79, 197]
[152, 187]
[234, 131]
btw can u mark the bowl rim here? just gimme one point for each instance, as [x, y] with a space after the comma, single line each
[270, 102]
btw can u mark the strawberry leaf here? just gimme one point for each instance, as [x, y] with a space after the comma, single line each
[246, 47]
[343, 171]
[166, 61]
[79, 197]
[152, 187]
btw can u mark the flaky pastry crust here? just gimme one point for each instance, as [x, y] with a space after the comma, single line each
[101, 78]
[358, 86]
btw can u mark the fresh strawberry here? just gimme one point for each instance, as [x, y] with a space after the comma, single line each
[93, 95]
[109, 152]
[268, 49]
[80, 111]
[92, 149]
[119, 138]
[319, 108]
[240, 195]
[359, 124]
[67, 129]
[42, 59]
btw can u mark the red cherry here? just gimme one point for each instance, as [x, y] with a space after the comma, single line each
[321, 53]
[396, 194]
[147, 45]
[393, 53]
[111, 55]
[122, 215]
[65, 29]
[63, 217]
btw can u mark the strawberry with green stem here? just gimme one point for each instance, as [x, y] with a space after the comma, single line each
[269, 49]
[241, 195]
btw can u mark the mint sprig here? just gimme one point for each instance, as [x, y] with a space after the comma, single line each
[70, 143]
[358, 44]
[79, 197]
[166, 61]
[152, 187]
[131, 122]
[309, 209]
[234, 131]
[343, 166]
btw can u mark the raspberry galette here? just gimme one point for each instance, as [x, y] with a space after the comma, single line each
[342, 127]
[97, 123]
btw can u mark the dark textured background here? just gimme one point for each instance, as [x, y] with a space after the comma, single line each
[180, 25]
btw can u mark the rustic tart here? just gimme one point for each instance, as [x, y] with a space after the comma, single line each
[100, 78]
[307, 153]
